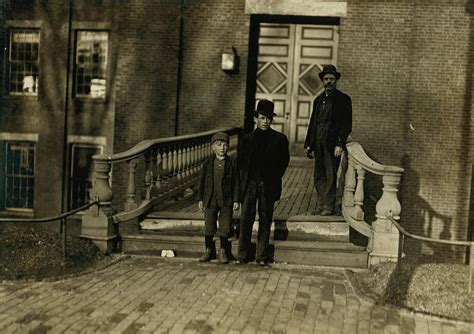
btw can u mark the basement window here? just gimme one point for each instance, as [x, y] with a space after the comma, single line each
[91, 63]
[24, 61]
[82, 173]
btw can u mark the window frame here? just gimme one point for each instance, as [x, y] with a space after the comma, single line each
[9, 138]
[83, 142]
[8, 57]
[74, 77]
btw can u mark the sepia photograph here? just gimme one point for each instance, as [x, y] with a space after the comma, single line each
[237, 166]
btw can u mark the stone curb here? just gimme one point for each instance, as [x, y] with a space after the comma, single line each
[371, 297]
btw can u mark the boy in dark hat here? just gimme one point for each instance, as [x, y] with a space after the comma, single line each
[218, 196]
[263, 159]
[329, 127]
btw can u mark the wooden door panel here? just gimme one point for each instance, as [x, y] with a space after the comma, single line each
[289, 59]
[275, 70]
[315, 46]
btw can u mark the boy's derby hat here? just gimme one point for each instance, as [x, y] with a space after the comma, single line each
[265, 108]
[220, 136]
[329, 69]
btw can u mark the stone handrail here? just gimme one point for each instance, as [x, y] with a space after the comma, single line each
[171, 167]
[382, 235]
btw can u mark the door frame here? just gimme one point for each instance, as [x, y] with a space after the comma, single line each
[252, 64]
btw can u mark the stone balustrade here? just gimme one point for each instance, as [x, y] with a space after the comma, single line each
[171, 168]
[382, 234]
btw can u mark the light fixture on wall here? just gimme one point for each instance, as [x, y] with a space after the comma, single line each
[230, 62]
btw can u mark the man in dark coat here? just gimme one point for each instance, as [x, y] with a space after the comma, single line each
[263, 158]
[330, 124]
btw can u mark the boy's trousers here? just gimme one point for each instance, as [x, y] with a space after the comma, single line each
[211, 215]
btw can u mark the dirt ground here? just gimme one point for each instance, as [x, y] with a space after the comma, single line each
[33, 253]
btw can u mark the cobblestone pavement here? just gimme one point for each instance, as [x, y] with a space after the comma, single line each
[153, 295]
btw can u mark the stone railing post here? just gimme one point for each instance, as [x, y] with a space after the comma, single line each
[97, 222]
[386, 237]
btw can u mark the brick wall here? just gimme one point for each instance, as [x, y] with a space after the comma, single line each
[146, 77]
[209, 97]
[394, 57]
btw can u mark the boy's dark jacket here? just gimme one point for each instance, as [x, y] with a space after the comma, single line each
[230, 182]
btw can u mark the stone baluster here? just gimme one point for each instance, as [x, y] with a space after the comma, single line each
[165, 166]
[148, 176]
[384, 244]
[174, 165]
[350, 185]
[193, 149]
[359, 194]
[154, 173]
[130, 203]
[179, 163]
[187, 162]
[159, 171]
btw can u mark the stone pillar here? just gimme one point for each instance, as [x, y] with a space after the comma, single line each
[384, 245]
[97, 222]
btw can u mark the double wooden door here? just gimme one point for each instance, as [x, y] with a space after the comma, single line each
[290, 57]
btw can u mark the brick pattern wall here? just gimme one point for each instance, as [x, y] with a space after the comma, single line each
[394, 57]
[146, 78]
[209, 97]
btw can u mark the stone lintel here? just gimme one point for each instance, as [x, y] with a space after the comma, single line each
[297, 7]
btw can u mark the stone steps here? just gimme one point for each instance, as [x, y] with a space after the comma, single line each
[309, 240]
[325, 253]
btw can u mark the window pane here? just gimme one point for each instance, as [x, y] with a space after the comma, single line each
[91, 55]
[24, 61]
[19, 175]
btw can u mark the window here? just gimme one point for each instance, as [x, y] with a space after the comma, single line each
[82, 173]
[18, 175]
[24, 61]
[91, 63]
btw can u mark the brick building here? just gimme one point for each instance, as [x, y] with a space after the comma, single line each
[87, 76]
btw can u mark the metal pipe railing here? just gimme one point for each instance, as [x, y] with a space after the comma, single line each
[62, 218]
[404, 233]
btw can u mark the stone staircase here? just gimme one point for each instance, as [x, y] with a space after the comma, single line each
[308, 240]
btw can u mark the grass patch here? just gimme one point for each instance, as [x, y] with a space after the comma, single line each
[434, 288]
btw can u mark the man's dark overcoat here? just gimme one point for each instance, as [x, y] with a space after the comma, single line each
[276, 161]
[341, 123]
[230, 182]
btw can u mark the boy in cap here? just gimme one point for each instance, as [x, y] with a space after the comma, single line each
[218, 196]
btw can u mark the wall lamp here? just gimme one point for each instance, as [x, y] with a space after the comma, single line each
[230, 62]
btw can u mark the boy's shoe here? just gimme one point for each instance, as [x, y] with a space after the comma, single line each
[207, 256]
[223, 256]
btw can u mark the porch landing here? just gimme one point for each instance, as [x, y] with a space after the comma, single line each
[297, 203]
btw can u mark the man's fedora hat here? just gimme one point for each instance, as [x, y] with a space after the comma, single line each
[329, 69]
[265, 108]
[220, 136]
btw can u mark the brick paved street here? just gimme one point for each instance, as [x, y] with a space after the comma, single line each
[147, 295]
